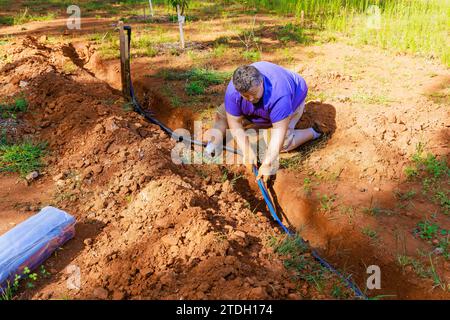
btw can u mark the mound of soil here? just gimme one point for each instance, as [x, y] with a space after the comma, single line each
[146, 228]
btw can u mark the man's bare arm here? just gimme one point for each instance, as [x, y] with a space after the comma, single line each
[243, 143]
[279, 130]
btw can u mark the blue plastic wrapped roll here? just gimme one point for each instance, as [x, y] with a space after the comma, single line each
[31, 242]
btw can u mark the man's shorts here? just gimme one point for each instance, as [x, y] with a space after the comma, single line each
[294, 118]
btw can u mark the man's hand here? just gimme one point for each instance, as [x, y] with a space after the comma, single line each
[264, 172]
[275, 144]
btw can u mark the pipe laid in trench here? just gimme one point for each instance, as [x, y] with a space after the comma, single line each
[262, 187]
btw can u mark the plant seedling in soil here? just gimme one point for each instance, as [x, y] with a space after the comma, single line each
[10, 290]
[372, 234]
[427, 230]
[338, 292]
[30, 276]
[307, 186]
[436, 278]
[224, 175]
[291, 32]
[44, 272]
[299, 259]
[326, 202]
[252, 55]
[428, 164]
[376, 211]
[127, 106]
[418, 267]
[235, 178]
[404, 196]
[443, 200]
[11, 110]
[443, 246]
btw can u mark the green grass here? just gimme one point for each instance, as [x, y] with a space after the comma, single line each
[298, 260]
[252, 55]
[438, 282]
[6, 20]
[444, 246]
[434, 174]
[428, 231]
[174, 99]
[99, 6]
[312, 95]
[142, 45]
[219, 50]
[291, 33]
[422, 271]
[69, 67]
[207, 76]
[443, 199]
[297, 257]
[427, 163]
[372, 234]
[24, 16]
[417, 266]
[22, 158]
[145, 44]
[8, 293]
[10, 110]
[307, 187]
[377, 211]
[370, 98]
[109, 45]
[338, 291]
[195, 88]
[197, 79]
[88, 8]
[405, 196]
[415, 26]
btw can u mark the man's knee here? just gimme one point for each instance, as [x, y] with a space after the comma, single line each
[220, 112]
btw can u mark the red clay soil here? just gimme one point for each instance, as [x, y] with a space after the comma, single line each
[361, 164]
[146, 228]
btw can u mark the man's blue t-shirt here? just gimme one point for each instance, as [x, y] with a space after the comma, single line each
[284, 91]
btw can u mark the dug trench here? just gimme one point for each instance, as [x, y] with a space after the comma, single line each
[341, 243]
[148, 228]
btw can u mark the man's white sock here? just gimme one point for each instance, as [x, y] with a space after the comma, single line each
[315, 133]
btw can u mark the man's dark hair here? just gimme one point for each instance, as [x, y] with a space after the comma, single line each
[246, 77]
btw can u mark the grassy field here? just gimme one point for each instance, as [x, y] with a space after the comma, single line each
[414, 26]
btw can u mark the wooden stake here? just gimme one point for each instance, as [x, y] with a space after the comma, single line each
[151, 7]
[302, 18]
[124, 62]
[180, 23]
